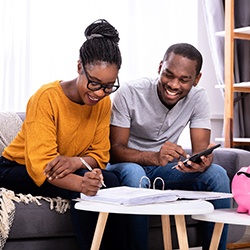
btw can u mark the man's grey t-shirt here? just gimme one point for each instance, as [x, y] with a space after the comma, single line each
[136, 105]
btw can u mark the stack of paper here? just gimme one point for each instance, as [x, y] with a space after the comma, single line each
[130, 196]
[140, 196]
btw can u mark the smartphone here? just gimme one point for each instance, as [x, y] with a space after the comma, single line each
[197, 157]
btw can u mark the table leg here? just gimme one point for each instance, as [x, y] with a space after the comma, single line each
[166, 232]
[181, 231]
[218, 227]
[100, 225]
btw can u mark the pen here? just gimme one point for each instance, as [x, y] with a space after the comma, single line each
[90, 168]
[184, 162]
[174, 167]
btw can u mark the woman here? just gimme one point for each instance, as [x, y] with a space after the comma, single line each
[67, 128]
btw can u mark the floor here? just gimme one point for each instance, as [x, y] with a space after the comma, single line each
[246, 238]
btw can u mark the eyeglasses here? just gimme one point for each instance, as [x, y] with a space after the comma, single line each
[94, 86]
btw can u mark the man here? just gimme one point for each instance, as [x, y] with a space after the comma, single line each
[148, 116]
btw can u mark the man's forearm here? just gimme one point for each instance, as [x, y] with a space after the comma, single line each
[124, 154]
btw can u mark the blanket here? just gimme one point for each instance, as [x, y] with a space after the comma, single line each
[7, 208]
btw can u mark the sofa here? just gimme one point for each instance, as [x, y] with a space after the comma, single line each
[40, 227]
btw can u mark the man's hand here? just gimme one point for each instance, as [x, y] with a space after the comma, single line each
[190, 166]
[61, 166]
[91, 182]
[168, 152]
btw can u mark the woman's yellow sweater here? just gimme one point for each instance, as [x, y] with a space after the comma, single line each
[55, 125]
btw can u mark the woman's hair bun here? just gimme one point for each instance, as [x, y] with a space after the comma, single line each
[102, 29]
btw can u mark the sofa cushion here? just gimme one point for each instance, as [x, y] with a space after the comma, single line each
[33, 221]
[62, 243]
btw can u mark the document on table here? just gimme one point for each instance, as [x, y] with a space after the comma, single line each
[200, 195]
[139, 196]
[130, 196]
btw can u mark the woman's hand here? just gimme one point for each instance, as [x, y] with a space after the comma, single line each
[61, 166]
[91, 182]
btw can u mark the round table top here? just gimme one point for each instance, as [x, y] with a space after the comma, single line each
[227, 215]
[179, 207]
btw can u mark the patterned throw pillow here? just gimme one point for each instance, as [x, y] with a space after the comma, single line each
[10, 124]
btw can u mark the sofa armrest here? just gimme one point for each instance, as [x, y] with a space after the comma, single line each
[231, 159]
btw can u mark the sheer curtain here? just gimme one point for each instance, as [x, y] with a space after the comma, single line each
[14, 53]
[214, 19]
[40, 40]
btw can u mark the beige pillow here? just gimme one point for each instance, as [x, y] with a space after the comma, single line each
[10, 124]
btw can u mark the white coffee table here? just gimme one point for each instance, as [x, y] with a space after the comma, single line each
[177, 208]
[221, 217]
